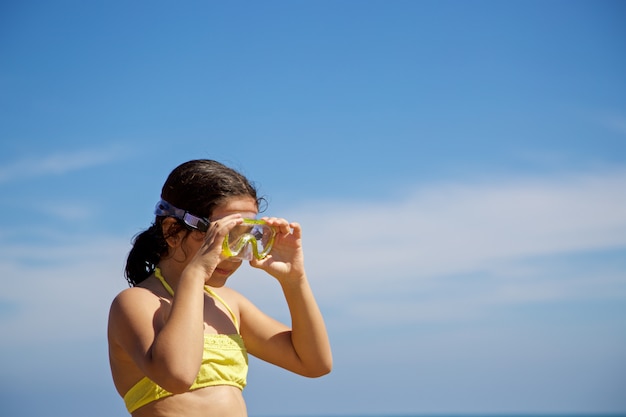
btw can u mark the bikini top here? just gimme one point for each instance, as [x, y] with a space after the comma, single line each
[224, 362]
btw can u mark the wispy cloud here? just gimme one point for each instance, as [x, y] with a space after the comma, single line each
[60, 163]
[451, 228]
[67, 210]
[456, 249]
[446, 252]
[612, 120]
[63, 291]
[617, 123]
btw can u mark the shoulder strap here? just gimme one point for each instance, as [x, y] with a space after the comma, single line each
[159, 276]
[157, 273]
[221, 300]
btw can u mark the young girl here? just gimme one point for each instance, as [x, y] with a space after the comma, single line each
[179, 338]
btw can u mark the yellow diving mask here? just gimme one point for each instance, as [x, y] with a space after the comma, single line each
[252, 238]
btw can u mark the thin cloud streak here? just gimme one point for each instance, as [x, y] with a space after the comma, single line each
[454, 252]
[60, 163]
[63, 291]
[466, 227]
[454, 299]
[615, 122]
[67, 211]
[464, 247]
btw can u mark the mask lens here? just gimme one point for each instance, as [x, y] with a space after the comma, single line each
[252, 238]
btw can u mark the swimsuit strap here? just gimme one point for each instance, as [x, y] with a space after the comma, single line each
[218, 298]
[157, 273]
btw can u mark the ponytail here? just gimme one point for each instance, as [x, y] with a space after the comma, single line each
[148, 248]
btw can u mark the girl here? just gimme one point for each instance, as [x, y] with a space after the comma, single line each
[179, 338]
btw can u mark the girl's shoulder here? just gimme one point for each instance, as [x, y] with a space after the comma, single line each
[146, 291]
[139, 294]
[135, 304]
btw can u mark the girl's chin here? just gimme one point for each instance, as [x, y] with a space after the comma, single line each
[223, 271]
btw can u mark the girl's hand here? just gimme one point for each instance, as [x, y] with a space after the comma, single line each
[286, 260]
[210, 254]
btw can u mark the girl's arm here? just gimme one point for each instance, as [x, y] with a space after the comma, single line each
[304, 348]
[163, 347]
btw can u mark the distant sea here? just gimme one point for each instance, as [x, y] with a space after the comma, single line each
[468, 415]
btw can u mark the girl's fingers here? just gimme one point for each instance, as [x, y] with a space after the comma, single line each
[219, 229]
[226, 224]
[281, 225]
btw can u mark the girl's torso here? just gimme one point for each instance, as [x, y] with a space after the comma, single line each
[221, 317]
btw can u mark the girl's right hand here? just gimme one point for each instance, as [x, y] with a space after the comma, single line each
[210, 253]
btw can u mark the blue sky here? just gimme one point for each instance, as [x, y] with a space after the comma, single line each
[459, 168]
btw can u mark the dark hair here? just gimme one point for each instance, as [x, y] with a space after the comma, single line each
[196, 186]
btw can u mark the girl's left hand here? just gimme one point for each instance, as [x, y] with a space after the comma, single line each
[286, 259]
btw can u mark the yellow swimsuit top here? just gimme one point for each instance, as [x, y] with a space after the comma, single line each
[224, 362]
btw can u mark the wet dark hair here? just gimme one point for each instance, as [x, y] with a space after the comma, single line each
[196, 186]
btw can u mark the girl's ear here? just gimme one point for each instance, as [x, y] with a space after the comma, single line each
[171, 232]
